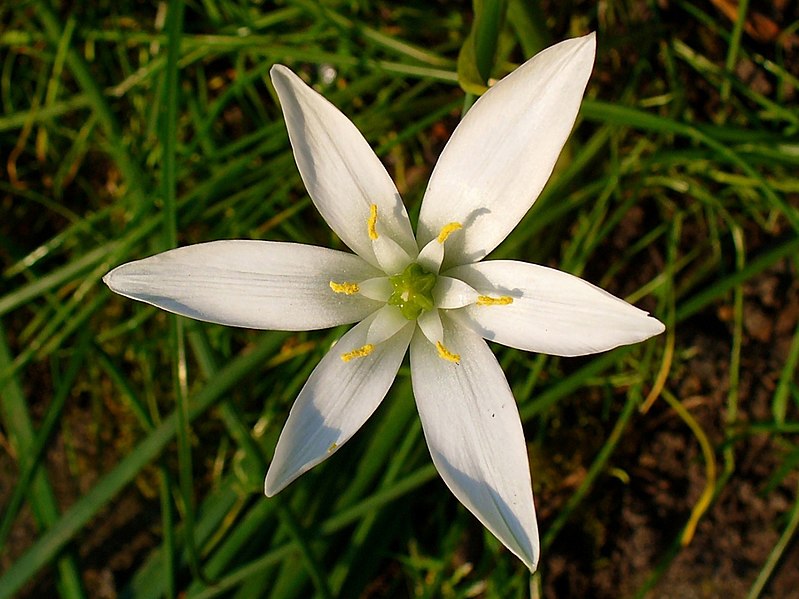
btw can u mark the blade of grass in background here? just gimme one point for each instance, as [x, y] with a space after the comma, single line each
[62, 531]
[16, 420]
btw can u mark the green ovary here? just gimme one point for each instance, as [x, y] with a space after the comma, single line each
[413, 291]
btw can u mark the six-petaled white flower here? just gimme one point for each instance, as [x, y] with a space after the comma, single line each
[429, 292]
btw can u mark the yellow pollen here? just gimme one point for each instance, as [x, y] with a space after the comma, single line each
[445, 354]
[372, 222]
[487, 300]
[361, 352]
[332, 447]
[345, 288]
[448, 230]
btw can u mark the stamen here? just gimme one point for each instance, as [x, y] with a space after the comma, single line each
[345, 288]
[361, 352]
[372, 228]
[445, 354]
[448, 230]
[332, 447]
[487, 300]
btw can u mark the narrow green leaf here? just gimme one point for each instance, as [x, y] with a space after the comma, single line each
[478, 53]
[43, 551]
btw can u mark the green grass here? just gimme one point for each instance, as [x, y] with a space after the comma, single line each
[125, 131]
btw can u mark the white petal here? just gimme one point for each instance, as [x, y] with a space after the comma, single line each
[502, 153]
[254, 284]
[389, 255]
[552, 312]
[379, 289]
[342, 174]
[430, 324]
[386, 323]
[452, 293]
[335, 402]
[431, 256]
[474, 433]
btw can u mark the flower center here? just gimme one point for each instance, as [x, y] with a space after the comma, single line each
[413, 291]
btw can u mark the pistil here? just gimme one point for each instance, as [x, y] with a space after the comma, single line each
[413, 291]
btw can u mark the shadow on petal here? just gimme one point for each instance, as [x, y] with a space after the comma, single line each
[299, 446]
[494, 511]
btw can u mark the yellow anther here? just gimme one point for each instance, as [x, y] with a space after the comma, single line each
[332, 447]
[345, 288]
[487, 300]
[361, 352]
[372, 224]
[448, 230]
[445, 354]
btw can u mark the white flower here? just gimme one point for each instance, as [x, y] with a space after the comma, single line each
[427, 292]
